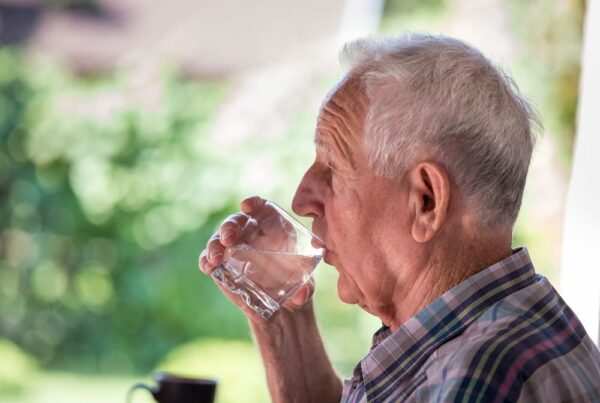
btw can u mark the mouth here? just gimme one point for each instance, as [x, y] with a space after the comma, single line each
[316, 242]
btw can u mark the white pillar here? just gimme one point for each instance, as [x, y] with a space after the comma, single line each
[580, 274]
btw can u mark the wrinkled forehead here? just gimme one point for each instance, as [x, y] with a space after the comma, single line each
[340, 126]
[350, 87]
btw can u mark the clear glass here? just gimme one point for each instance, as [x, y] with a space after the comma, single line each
[273, 256]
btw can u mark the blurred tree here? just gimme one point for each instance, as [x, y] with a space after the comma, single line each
[107, 196]
[549, 36]
[404, 15]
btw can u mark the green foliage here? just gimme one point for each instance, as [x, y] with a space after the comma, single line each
[550, 50]
[108, 195]
[412, 15]
[548, 36]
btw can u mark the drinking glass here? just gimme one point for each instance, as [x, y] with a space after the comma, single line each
[272, 257]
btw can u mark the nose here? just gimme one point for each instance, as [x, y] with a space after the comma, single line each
[308, 201]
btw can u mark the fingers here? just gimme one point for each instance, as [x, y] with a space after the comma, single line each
[227, 234]
[215, 250]
[212, 255]
[203, 264]
[251, 204]
[216, 245]
[302, 296]
[230, 228]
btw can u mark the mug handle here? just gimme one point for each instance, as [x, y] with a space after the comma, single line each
[153, 391]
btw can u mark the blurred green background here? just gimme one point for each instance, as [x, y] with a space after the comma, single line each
[108, 193]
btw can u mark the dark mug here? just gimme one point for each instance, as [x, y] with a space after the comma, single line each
[176, 389]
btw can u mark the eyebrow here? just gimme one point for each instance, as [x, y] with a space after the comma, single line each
[326, 147]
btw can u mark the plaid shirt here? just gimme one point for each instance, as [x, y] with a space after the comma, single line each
[502, 335]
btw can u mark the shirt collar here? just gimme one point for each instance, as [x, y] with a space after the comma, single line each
[395, 354]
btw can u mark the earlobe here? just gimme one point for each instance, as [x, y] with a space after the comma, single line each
[420, 233]
[429, 195]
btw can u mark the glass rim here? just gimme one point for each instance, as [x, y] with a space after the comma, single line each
[292, 219]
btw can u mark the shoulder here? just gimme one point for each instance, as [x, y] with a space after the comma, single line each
[515, 349]
[480, 374]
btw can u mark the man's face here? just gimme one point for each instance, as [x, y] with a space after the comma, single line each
[359, 215]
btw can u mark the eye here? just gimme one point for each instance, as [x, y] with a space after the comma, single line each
[327, 173]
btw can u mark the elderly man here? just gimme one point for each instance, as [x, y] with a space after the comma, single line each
[422, 152]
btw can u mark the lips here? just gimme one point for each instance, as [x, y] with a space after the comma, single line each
[316, 242]
[327, 256]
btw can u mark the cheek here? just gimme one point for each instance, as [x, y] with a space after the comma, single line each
[344, 190]
[345, 222]
[346, 201]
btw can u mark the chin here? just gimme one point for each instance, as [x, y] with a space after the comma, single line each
[345, 294]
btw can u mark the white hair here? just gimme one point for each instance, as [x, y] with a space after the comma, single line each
[442, 95]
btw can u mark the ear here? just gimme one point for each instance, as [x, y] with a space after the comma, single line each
[429, 197]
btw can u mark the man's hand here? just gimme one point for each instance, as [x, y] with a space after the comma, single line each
[226, 236]
[296, 364]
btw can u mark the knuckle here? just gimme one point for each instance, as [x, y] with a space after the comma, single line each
[251, 203]
[228, 225]
[215, 239]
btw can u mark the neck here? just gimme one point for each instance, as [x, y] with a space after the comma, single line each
[441, 267]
